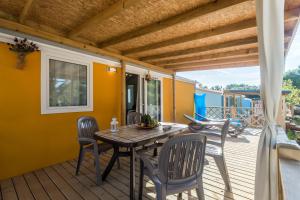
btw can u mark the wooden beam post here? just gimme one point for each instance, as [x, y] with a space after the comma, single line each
[183, 17]
[14, 26]
[228, 28]
[174, 96]
[103, 15]
[224, 104]
[25, 11]
[123, 92]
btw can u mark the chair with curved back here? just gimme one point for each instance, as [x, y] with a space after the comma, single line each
[215, 149]
[86, 127]
[133, 117]
[179, 167]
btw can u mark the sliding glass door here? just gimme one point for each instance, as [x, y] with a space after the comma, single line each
[153, 96]
[143, 96]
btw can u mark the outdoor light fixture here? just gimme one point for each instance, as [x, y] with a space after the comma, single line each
[111, 69]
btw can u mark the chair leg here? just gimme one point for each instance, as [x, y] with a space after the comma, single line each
[221, 164]
[154, 152]
[179, 196]
[141, 186]
[200, 190]
[97, 165]
[80, 158]
[161, 193]
[118, 163]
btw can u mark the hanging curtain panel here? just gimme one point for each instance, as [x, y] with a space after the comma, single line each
[270, 23]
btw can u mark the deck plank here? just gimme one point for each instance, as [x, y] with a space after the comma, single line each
[98, 191]
[22, 188]
[81, 189]
[59, 181]
[49, 186]
[64, 187]
[35, 187]
[8, 190]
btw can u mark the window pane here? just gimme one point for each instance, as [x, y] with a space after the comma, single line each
[153, 99]
[67, 84]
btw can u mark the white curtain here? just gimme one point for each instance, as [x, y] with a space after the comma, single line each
[270, 23]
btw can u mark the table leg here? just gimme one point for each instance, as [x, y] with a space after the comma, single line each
[132, 173]
[111, 163]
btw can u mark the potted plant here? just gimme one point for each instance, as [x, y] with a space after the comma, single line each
[147, 122]
[22, 47]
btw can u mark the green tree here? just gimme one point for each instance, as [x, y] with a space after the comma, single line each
[294, 76]
[216, 87]
[294, 97]
[241, 86]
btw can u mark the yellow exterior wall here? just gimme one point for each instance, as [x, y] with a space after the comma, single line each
[29, 140]
[167, 100]
[184, 100]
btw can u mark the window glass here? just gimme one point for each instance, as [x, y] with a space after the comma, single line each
[67, 84]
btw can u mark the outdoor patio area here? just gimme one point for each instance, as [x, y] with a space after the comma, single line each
[59, 181]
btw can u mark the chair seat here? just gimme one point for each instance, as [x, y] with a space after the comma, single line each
[213, 150]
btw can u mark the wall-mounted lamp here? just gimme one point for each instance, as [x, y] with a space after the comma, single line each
[111, 69]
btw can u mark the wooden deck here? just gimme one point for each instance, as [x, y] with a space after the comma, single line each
[58, 181]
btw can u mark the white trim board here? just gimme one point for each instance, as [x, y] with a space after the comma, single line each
[51, 46]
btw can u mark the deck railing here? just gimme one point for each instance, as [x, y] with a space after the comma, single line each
[253, 116]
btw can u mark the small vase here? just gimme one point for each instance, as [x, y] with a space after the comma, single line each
[21, 60]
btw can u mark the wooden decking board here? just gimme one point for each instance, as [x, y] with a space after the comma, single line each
[35, 187]
[98, 191]
[8, 190]
[82, 190]
[65, 188]
[49, 186]
[118, 194]
[22, 188]
[59, 181]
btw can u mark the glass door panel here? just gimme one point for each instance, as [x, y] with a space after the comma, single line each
[153, 97]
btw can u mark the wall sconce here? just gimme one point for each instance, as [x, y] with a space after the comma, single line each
[111, 69]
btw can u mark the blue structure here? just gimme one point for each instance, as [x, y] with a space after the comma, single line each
[200, 106]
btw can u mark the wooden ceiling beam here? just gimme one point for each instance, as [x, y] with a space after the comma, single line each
[216, 56]
[183, 17]
[25, 11]
[218, 66]
[234, 43]
[215, 62]
[114, 9]
[15, 26]
[292, 14]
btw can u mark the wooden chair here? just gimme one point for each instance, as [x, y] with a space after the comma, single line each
[86, 127]
[179, 167]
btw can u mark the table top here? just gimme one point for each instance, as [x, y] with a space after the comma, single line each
[131, 136]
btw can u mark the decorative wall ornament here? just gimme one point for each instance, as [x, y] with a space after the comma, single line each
[22, 47]
[148, 76]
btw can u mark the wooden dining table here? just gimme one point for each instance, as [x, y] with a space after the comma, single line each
[132, 137]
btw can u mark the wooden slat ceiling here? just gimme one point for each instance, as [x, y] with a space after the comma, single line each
[164, 35]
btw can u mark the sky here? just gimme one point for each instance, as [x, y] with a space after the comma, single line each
[247, 75]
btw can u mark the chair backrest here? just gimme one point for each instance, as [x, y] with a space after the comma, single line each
[224, 131]
[182, 159]
[133, 117]
[86, 127]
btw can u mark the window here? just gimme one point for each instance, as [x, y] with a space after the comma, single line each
[66, 85]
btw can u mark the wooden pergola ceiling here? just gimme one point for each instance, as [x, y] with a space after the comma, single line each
[164, 35]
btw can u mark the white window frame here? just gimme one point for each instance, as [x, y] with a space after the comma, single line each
[64, 56]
